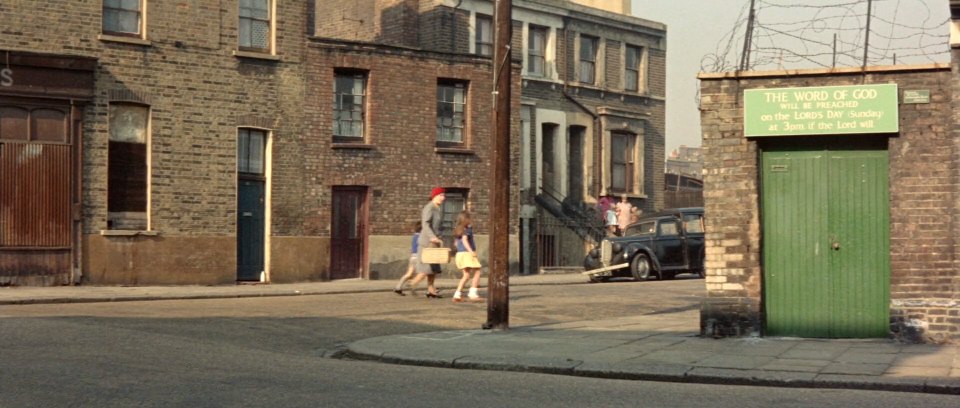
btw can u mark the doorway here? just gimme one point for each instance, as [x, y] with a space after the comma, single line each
[348, 232]
[826, 237]
[251, 207]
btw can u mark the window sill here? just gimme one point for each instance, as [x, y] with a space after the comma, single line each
[356, 146]
[124, 40]
[128, 233]
[617, 194]
[256, 55]
[454, 150]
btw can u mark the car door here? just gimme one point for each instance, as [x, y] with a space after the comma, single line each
[669, 244]
[693, 232]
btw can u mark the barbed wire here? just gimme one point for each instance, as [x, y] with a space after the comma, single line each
[820, 33]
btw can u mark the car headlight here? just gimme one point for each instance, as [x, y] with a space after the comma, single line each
[594, 253]
[616, 247]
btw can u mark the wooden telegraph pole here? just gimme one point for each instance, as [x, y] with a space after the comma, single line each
[498, 303]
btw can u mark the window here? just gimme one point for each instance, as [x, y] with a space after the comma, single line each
[348, 106]
[484, 40]
[127, 167]
[693, 223]
[123, 17]
[631, 73]
[536, 50]
[251, 151]
[669, 229]
[453, 204]
[622, 154]
[640, 229]
[255, 30]
[451, 108]
[588, 59]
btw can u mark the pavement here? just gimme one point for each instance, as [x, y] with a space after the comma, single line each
[657, 346]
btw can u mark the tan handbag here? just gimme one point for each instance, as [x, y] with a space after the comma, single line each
[435, 255]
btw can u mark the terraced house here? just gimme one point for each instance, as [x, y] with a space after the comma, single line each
[130, 141]
[277, 141]
[592, 110]
[243, 146]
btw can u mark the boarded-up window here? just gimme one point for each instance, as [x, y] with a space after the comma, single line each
[13, 123]
[127, 189]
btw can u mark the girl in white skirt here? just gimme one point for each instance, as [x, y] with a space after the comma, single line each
[466, 258]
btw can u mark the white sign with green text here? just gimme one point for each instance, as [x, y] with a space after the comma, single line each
[826, 110]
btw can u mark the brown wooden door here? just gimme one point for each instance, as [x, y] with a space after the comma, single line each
[348, 232]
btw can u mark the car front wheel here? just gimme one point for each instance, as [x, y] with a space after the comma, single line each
[640, 267]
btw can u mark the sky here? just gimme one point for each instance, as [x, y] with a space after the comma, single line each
[793, 34]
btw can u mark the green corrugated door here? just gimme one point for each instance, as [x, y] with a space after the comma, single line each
[825, 242]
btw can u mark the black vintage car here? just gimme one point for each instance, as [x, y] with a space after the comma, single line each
[663, 244]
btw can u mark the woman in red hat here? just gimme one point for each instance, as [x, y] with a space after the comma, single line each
[431, 219]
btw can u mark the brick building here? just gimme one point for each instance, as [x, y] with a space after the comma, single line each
[831, 203]
[209, 154]
[425, 121]
[592, 114]
[592, 95]
[123, 132]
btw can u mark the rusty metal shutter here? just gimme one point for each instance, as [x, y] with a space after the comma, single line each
[35, 195]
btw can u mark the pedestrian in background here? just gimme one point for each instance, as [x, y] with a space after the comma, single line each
[611, 221]
[412, 263]
[431, 221]
[603, 204]
[467, 261]
[635, 214]
[624, 210]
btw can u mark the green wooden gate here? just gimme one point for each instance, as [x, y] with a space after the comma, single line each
[826, 240]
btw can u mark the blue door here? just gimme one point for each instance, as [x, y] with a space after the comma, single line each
[251, 187]
[250, 225]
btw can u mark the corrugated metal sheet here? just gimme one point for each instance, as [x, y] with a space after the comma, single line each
[35, 195]
[826, 243]
[34, 267]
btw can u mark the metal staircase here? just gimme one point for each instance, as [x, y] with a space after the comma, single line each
[575, 215]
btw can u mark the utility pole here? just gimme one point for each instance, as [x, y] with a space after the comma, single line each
[866, 41]
[498, 299]
[748, 39]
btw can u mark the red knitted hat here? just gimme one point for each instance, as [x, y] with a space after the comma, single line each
[435, 192]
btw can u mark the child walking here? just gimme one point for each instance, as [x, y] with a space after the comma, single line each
[466, 258]
[411, 266]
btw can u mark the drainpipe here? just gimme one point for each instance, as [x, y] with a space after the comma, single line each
[453, 27]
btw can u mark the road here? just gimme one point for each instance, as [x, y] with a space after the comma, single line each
[276, 352]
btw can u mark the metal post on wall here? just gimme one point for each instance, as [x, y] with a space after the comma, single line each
[498, 305]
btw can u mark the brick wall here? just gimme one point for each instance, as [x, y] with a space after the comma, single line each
[393, 22]
[198, 93]
[402, 162]
[923, 192]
